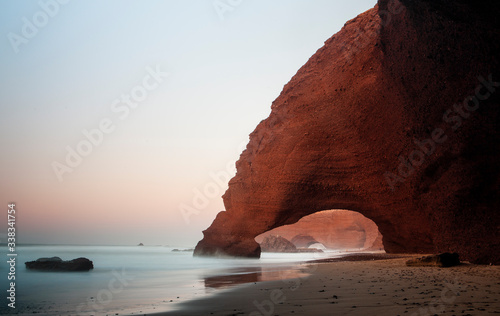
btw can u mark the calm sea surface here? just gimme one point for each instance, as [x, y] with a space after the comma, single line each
[132, 280]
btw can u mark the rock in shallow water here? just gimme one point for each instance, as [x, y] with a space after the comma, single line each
[55, 264]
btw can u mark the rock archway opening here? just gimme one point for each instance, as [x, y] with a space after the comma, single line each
[340, 230]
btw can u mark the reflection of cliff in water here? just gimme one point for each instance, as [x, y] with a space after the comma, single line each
[252, 275]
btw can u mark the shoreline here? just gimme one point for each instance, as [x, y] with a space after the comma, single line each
[359, 284]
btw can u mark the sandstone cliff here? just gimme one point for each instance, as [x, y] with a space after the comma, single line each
[335, 229]
[395, 117]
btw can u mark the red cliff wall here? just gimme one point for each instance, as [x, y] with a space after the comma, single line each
[343, 130]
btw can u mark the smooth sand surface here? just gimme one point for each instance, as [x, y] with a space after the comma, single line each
[382, 287]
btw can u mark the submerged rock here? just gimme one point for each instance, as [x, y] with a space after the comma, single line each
[57, 264]
[442, 260]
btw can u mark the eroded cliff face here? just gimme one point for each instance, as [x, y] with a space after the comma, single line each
[395, 117]
[335, 229]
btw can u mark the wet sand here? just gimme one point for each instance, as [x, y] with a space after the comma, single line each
[361, 285]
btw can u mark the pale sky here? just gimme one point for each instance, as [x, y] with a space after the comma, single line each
[70, 68]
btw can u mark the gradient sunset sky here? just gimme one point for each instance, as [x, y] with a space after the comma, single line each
[175, 140]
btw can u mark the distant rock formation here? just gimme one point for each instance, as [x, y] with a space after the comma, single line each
[335, 229]
[277, 244]
[56, 264]
[442, 260]
[395, 117]
[377, 244]
[300, 241]
[140, 244]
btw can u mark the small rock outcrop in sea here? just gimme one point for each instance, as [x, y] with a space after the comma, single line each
[277, 244]
[140, 244]
[55, 264]
[442, 260]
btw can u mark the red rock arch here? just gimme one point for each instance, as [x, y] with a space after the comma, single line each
[334, 229]
[343, 130]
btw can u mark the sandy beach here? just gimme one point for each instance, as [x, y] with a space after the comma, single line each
[367, 287]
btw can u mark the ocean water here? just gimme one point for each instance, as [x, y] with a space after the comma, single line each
[133, 280]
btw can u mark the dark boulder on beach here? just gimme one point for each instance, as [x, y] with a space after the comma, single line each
[442, 260]
[56, 264]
